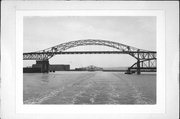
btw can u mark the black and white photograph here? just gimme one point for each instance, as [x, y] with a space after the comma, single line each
[89, 60]
[82, 59]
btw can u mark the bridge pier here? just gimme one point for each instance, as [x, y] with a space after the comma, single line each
[138, 67]
[128, 71]
[44, 66]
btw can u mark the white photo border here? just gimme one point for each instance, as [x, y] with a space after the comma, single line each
[10, 53]
[159, 107]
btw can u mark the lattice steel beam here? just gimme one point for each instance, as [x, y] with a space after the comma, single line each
[144, 65]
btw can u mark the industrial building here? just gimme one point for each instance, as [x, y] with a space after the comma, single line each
[89, 68]
[44, 66]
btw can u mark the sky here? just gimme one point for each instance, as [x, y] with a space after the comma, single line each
[43, 32]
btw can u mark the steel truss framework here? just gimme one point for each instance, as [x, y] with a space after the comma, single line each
[145, 58]
[148, 65]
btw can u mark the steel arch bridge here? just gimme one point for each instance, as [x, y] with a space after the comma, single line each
[145, 59]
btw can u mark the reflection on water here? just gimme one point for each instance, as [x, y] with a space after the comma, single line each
[89, 88]
[45, 78]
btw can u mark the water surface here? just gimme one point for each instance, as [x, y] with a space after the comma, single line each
[88, 88]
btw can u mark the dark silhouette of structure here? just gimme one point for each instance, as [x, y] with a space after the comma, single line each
[59, 67]
[89, 68]
[146, 60]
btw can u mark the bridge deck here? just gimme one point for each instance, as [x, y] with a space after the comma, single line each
[91, 52]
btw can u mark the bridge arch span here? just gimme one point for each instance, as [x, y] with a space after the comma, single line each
[50, 52]
[141, 55]
[64, 46]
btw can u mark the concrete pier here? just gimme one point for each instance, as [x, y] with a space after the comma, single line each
[44, 65]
